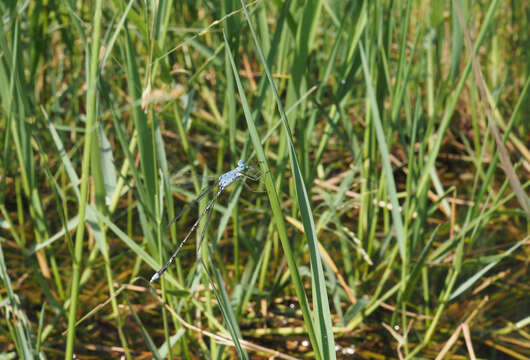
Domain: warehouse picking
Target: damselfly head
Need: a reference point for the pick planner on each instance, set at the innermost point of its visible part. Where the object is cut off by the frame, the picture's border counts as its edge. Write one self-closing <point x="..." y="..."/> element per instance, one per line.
<point x="241" y="165"/>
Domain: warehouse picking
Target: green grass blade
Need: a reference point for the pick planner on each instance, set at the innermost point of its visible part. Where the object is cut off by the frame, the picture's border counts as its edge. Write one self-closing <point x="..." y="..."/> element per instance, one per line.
<point x="21" y="329"/>
<point x="478" y="275"/>
<point x="452" y="102"/>
<point x="277" y="213"/>
<point x="227" y="311"/>
<point x="383" y="148"/>
<point x="89" y="129"/>
<point x="321" y="311"/>
<point x="145" y="333"/>
<point x="145" y="141"/>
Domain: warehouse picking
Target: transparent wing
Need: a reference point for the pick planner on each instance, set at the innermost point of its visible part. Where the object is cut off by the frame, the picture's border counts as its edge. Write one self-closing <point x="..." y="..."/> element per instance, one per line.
<point x="192" y="203"/>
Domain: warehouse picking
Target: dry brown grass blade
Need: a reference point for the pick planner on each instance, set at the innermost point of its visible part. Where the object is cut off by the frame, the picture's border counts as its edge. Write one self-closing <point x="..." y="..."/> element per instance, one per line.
<point x="340" y="278"/>
<point x="225" y="339"/>
<point x="464" y="326"/>
<point x="329" y="260"/>
<point x="219" y="338"/>
<point x="449" y="344"/>
<point x="469" y="343"/>
<point x="503" y="153"/>
<point x="506" y="350"/>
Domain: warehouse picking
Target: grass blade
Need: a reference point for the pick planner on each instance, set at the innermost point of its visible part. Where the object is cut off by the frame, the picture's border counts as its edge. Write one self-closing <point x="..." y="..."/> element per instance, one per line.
<point x="89" y="130"/>
<point x="321" y="312"/>
<point x="473" y="279"/>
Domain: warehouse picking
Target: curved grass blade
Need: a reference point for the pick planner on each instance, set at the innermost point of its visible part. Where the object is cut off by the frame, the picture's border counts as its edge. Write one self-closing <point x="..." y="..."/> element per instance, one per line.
<point x="325" y="340"/>
<point x="145" y="333"/>
<point x="226" y="309"/>
<point x="323" y="345"/>
<point x="469" y="282"/>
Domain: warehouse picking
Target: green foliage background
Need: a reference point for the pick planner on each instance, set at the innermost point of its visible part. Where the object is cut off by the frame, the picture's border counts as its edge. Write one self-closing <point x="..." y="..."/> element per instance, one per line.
<point x="391" y="216"/>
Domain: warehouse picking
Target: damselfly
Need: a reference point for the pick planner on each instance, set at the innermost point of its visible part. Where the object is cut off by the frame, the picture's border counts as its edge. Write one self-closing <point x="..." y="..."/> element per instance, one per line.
<point x="222" y="183"/>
